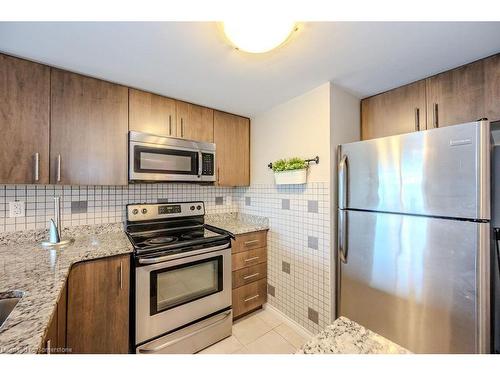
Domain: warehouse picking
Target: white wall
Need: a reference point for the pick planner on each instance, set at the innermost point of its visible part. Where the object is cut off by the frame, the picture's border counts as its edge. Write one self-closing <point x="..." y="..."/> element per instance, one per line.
<point x="299" y="127"/>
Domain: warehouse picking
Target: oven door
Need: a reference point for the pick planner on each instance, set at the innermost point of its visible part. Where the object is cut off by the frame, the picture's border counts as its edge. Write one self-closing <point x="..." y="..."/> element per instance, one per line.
<point x="151" y="162"/>
<point x="173" y="293"/>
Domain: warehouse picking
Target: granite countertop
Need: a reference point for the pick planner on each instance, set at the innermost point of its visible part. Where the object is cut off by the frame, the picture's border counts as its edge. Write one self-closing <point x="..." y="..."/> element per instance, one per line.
<point x="237" y="223"/>
<point x="345" y="336"/>
<point x="39" y="275"/>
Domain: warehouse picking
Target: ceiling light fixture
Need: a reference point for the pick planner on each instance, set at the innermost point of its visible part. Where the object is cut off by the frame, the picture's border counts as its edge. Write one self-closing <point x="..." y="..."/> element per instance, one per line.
<point x="258" y="37"/>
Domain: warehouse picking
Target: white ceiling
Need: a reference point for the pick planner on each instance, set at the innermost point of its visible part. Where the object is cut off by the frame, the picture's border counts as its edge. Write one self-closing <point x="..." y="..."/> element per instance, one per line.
<point x="191" y="61"/>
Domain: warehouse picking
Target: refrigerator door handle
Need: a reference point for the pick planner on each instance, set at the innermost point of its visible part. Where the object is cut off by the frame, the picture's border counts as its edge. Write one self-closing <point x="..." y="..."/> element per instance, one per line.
<point x="342" y="235"/>
<point x="343" y="182"/>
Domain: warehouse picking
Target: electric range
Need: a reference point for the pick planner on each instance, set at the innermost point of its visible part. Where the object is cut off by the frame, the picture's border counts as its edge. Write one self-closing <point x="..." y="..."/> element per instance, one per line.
<point x="182" y="278"/>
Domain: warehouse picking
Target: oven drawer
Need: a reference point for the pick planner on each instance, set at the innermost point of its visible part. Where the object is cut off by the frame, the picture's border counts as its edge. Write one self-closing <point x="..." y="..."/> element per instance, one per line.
<point x="249" y="275"/>
<point x="249" y="241"/>
<point x="249" y="258"/>
<point x="249" y="297"/>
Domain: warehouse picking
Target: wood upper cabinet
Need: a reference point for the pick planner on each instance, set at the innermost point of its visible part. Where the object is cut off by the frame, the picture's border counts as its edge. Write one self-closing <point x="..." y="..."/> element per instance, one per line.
<point x="88" y="132"/>
<point x="457" y="96"/>
<point x="150" y="113"/>
<point x="492" y="87"/>
<point x="232" y="140"/>
<point x="195" y="122"/>
<point x="98" y="306"/>
<point x="398" y="111"/>
<point x="24" y="118"/>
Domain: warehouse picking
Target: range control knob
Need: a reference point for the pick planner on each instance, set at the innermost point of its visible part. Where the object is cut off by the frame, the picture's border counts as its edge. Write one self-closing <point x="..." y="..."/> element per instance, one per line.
<point x="135" y="211"/>
<point x="198" y="207"/>
<point x="144" y="211"/>
<point x="191" y="208"/>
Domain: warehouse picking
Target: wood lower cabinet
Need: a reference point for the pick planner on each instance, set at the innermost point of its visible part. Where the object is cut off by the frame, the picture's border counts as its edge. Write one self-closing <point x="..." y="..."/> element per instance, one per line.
<point x="54" y="341"/>
<point x="402" y="110"/>
<point x="232" y="139"/>
<point x="24" y="118"/>
<point x="249" y="265"/>
<point x="88" y="131"/>
<point x="456" y="96"/>
<point x="150" y="113"/>
<point x="195" y="122"/>
<point x="98" y="306"/>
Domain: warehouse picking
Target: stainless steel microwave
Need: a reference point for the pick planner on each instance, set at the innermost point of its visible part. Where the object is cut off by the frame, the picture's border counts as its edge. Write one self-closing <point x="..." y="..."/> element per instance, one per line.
<point x="156" y="158"/>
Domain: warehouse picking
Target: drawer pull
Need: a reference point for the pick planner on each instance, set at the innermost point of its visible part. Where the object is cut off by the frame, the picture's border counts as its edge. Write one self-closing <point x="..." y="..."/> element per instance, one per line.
<point x="250" y="242"/>
<point x="250" y="259"/>
<point x="251" y="298"/>
<point x="250" y="276"/>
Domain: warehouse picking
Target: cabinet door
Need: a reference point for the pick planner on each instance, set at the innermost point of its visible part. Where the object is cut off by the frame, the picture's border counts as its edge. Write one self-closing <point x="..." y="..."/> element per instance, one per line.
<point x="195" y="122"/>
<point x="50" y="344"/>
<point x="150" y="113"/>
<point x="232" y="140"/>
<point x="24" y="116"/>
<point x="88" y="132"/>
<point x="98" y="306"/>
<point x="456" y="96"/>
<point x="492" y="91"/>
<point x="398" y="111"/>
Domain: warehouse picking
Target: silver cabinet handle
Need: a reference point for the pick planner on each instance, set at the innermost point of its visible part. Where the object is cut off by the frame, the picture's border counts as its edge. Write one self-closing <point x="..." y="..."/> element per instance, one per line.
<point x="247" y="243"/>
<point x="182" y="127"/>
<point x="250" y="259"/>
<point x="435" y="115"/>
<point x="250" y="276"/>
<point x="251" y="298"/>
<point x="48" y="346"/>
<point x="37" y="166"/>
<point x="169" y="124"/>
<point x="417" y="119"/>
<point x="59" y="168"/>
<point x="121" y="275"/>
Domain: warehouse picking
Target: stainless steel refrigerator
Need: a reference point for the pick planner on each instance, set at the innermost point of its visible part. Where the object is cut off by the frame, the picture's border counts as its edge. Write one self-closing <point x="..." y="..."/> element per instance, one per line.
<point x="414" y="238"/>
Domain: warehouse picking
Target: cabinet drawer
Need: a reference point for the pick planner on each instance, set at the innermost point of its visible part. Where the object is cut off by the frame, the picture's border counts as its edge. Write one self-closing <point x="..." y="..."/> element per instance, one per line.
<point x="249" y="258"/>
<point x="249" y="241"/>
<point x="249" y="297"/>
<point x="249" y="275"/>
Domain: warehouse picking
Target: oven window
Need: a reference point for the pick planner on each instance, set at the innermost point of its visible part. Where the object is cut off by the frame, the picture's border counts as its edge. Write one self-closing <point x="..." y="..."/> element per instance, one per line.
<point x="168" y="161"/>
<point x="178" y="285"/>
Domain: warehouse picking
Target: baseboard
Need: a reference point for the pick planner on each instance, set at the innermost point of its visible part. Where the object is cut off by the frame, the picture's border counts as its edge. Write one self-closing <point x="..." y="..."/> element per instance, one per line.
<point x="289" y="321"/>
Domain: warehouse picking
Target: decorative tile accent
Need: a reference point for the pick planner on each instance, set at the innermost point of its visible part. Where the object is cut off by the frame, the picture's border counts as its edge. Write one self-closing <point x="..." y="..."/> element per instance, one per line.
<point x="312" y="206"/>
<point x="248" y="201"/>
<point x="285" y="267"/>
<point x="271" y="290"/>
<point x="308" y="286"/>
<point x="285" y="204"/>
<point x="312" y="315"/>
<point x="105" y="204"/>
<point x="312" y="242"/>
<point x="79" y="207"/>
<point x="219" y="201"/>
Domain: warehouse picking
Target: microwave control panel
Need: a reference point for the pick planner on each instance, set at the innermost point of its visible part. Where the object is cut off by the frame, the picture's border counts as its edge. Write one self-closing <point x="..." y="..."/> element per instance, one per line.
<point x="207" y="164"/>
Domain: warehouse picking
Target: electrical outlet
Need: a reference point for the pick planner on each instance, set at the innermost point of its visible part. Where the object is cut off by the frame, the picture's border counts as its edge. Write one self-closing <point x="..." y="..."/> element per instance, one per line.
<point x="16" y="209"/>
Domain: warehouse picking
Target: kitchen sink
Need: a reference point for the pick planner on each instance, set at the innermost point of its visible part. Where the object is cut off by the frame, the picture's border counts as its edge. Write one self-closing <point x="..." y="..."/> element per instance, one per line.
<point x="8" y="302"/>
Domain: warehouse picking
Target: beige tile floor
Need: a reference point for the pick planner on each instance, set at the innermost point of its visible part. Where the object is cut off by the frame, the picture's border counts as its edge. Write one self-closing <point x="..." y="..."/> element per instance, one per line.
<point x="263" y="332"/>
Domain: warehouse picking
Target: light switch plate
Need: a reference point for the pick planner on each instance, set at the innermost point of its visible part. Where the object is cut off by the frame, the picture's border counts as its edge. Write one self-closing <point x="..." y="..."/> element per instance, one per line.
<point x="16" y="209"/>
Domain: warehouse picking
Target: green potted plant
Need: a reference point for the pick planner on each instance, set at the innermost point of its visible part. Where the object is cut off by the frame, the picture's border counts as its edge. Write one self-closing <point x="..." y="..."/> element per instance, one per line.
<point x="290" y="171"/>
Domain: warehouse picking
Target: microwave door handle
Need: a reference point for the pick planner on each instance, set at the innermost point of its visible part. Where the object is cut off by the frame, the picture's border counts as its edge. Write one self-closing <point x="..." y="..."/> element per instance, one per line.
<point x="200" y="157"/>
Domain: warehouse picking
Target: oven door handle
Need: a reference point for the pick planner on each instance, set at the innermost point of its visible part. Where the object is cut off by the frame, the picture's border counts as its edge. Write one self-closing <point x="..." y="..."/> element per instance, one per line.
<point x="169" y="343"/>
<point x="182" y="255"/>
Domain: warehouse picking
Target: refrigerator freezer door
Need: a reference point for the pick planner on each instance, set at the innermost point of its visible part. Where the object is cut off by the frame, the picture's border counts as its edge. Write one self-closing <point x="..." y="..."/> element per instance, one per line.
<point x="420" y="282"/>
<point x="440" y="172"/>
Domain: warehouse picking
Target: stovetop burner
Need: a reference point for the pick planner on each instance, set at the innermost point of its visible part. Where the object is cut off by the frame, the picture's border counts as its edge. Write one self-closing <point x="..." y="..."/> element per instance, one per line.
<point x="160" y="240"/>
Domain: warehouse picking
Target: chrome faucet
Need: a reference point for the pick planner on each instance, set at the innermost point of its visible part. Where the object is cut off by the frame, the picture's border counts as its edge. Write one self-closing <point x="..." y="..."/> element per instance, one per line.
<point x="55" y="228"/>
